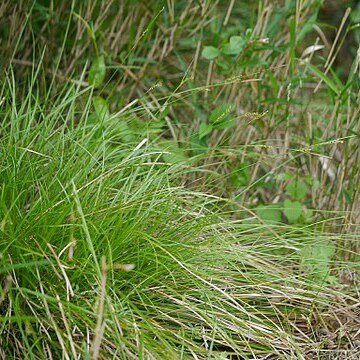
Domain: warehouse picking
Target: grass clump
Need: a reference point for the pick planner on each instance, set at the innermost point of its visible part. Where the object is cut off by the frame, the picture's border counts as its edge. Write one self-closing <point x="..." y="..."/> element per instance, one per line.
<point x="147" y="215"/>
<point x="105" y="254"/>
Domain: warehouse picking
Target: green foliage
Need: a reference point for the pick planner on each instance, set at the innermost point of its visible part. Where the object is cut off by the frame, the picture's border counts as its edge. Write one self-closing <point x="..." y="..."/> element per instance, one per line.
<point x="198" y="145"/>
<point x="221" y="117"/>
<point x="270" y="214"/>
<point x="172" y="153"/>
<point x="116" y="216"/>
<point x="235" y="46"/>
<point x="204" y="129"/>
<point x="292" y="210"/>
<point x="101" y="108"/>
<point x="316" y="261"/>
<point x="97" y="72"/>
<point x="240" y="176"/>
<point x="297" y="189"/>
<point x="127" y="206"/>
<point x="210" y="52"/>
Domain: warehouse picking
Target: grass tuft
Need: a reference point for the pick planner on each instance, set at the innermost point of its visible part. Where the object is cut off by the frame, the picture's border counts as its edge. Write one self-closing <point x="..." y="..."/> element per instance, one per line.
<point x="177" y="183"/>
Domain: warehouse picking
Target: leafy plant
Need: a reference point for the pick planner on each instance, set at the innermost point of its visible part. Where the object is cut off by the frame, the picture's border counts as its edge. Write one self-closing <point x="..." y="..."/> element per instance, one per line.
<point x="293" y="210"/>
<point x="101" y="108"/>
<point x="204" y="130"/>
<point x="172" y="152"/>
<point x="210" y="53"/>
<point x="97" y="72"/>
<point x="235" y="46"/>
<point x="240" y="176"/>
<point x="221" y="117"/>
<point x="316" y="261"/>
<point x="270" y="214"/>
<point x="297" y="189"/>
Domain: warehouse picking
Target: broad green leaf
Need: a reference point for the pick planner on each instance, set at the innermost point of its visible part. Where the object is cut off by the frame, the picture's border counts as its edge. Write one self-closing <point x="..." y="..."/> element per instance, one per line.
<point x="241" y="175"/>
<point x="308" y="215"/>
<point x="220" y="117"/>
<point x="204" y="129"/>
<point x="172" y="152"/>
<point x="237" y="42"/>
<point x="235" y="46"/>
<point x="283" y="176"/>
<point x="292" y="210"/>
<point x="97" y="72"/>
<point x="188" y="42"/>
<point x="297" y="189"/>
<point x="226" y="124"/>
<point x="198" y="146"/>
<point x="101" y="108"/>
<point x="315" y="260"/>
<point x="219" y="113"/>
<point x="269" y="213"/>
<point x="124" y="132"/>
<point x="210" y="52"/>
<point x="216" y="25"/>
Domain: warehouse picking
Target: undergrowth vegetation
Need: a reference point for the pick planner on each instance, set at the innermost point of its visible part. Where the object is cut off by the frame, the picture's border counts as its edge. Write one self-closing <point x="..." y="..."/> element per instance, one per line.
<point x="179" y="180"/>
